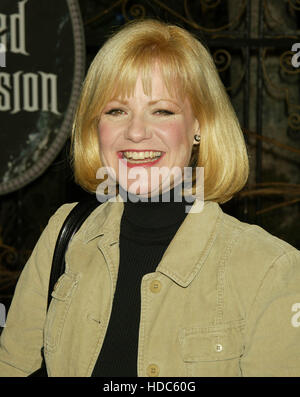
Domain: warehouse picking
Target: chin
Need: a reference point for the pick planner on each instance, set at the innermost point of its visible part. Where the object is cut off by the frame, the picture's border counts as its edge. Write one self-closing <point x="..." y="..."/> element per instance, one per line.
<point x="141" y="189"/>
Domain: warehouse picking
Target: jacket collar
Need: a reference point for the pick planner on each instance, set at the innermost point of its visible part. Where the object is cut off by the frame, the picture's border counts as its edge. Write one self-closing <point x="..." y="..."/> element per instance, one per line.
<point x="189" y="248"/>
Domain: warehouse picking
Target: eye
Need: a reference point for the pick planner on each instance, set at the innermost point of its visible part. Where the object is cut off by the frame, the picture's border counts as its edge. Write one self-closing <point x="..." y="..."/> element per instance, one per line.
<point x="115" y="112"/>
<point x="164" y="112"/>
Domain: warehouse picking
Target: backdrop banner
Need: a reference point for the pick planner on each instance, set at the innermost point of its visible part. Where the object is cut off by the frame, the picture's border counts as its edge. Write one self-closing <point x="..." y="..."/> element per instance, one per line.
<point x="42" y="65"/>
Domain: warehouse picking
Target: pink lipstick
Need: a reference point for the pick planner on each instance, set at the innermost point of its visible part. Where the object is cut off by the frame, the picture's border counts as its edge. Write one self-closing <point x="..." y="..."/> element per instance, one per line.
<point x="146" y="164"/>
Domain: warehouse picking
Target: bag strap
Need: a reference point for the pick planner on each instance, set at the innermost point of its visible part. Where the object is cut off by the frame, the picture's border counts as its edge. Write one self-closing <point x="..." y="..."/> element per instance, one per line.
<point x="70" y="226"/>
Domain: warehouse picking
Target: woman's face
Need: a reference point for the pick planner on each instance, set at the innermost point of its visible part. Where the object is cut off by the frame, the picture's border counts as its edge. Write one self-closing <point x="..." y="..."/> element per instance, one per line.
<point x="141" y="135"/>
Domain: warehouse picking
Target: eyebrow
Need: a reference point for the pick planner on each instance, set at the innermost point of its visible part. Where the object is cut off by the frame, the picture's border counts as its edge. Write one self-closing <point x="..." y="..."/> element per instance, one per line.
<point x="149" y="103"/>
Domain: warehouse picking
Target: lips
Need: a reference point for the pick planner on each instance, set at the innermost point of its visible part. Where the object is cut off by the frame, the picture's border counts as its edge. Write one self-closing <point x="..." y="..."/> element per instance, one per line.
<point x="141" y="164"/>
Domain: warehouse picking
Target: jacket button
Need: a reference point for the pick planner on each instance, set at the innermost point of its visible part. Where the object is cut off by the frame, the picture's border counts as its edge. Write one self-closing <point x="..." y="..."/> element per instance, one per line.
<point x="155" y="286"/>
<point x="152" y="370"/>
<point x="219" y="347"/>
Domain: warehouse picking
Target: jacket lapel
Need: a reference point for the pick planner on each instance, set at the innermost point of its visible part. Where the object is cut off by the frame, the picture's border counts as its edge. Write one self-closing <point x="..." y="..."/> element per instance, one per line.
<point x="186" y="253"/>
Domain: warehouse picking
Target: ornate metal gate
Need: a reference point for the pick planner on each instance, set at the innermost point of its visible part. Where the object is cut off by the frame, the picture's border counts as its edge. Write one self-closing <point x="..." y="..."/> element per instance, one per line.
<point x="251" y="42"/>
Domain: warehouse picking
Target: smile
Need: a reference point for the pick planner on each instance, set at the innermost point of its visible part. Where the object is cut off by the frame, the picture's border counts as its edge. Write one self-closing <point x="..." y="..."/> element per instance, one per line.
<point x="140" y="158"/>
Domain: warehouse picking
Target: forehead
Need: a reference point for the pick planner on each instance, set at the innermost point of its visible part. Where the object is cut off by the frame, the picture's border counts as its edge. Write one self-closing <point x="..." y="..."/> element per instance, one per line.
<point x="153" y="82"/>
<point x="158" y="87"/>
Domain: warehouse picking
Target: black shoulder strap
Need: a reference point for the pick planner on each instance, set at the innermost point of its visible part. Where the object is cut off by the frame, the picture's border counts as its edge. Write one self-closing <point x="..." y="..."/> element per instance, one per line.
<point x="70" y="226"/>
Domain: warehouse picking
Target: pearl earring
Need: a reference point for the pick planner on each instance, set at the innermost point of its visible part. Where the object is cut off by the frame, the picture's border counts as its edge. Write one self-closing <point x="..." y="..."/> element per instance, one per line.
<point x="197" y="138"/>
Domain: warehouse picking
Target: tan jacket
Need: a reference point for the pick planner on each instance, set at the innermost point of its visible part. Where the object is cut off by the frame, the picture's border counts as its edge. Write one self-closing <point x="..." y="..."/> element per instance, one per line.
<point x="224" y="301"/>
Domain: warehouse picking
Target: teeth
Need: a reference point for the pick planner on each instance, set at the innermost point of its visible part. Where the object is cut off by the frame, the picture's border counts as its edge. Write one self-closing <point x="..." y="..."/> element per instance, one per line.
<point x="141" y="155"/>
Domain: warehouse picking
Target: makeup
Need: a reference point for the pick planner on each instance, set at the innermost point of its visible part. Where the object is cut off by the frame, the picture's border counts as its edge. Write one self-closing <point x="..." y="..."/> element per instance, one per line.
<point x="139" y="163"/>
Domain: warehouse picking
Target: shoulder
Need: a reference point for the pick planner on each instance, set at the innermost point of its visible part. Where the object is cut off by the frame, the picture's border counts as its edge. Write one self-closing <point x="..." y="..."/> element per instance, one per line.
<point x="253" y="242"/>
<point x="62" y="212"/>
<point x="55" y="223"/>
<point x="258" y="261"/>
<point x="96" y="211"/>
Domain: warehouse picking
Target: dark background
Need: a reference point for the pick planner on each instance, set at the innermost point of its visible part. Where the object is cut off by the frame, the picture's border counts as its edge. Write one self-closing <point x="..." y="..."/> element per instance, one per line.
<point x="250" y="42"/>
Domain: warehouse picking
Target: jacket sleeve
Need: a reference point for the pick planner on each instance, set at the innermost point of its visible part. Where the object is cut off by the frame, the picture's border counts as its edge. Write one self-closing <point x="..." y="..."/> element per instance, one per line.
<point x="272" y="340"/>
<point x="22" y="338"/>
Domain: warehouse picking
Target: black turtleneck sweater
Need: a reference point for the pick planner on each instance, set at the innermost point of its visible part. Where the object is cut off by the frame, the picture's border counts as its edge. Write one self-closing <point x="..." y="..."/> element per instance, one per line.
<point x="146" y="230"/>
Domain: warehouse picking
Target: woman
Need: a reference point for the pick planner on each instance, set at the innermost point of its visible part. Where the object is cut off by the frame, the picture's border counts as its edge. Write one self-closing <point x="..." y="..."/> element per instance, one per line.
<point x="155" y="287"/>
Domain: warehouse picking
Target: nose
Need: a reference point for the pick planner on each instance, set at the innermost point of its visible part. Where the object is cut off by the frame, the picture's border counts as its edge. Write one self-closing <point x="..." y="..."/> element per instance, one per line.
<point x="137" y="129"/>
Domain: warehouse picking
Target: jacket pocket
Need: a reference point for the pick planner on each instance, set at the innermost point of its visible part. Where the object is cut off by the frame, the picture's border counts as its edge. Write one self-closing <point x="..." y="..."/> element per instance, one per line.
<point x="213" y="350"/>
<point x="58" y="309"/>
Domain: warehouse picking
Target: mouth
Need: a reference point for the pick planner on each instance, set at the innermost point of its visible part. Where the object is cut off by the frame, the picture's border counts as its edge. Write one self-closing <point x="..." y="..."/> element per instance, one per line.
<point x="145" y="158"/>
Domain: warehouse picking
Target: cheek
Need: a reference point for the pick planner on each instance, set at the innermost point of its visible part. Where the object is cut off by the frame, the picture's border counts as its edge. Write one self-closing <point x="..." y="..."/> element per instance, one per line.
<point x="105" y="143"/>
<point x="177" y="136"/>
<point x="105" y="134"/>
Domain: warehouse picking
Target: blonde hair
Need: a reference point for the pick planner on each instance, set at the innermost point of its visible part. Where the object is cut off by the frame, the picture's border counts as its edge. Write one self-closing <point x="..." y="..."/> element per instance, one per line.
<point x="183" y="59"/>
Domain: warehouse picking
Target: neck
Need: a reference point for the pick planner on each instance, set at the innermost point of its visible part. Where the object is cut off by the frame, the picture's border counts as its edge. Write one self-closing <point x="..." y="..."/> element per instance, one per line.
<point x="154" y="219"/>
<point x="170" y="196"/>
